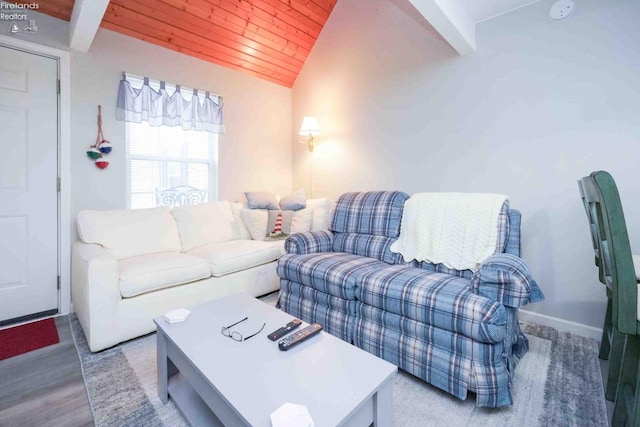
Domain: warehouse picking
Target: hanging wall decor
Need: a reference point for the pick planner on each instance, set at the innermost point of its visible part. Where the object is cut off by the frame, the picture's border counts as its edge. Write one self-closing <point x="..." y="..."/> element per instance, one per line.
<point x="102" y="147"/>
<point x="93" y="153"/>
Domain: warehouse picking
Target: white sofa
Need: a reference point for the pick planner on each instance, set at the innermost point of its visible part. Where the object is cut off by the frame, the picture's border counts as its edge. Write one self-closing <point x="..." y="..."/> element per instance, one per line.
<point x="131" y="266"/>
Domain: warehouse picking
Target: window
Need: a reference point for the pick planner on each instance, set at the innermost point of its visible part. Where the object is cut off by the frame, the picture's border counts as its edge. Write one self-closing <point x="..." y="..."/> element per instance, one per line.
<point x="169" y="164"/>
<point x="164" y="157"/>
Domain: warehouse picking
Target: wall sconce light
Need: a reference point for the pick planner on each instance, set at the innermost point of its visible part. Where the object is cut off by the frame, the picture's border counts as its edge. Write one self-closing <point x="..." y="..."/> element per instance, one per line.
<point x="308" y="130"/>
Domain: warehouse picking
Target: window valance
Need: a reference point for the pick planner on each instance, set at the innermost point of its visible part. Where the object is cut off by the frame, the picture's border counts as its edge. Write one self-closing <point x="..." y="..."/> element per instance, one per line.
<point x="143" y="99"/>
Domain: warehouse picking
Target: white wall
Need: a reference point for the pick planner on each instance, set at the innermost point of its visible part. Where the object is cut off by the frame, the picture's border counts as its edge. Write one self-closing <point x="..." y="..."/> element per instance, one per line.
<point x="254" y="153"/>
<point x="539" y="105"/>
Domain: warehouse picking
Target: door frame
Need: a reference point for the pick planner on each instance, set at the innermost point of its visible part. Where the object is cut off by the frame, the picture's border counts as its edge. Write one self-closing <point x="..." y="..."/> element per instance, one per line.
<point x="64" y="166"/>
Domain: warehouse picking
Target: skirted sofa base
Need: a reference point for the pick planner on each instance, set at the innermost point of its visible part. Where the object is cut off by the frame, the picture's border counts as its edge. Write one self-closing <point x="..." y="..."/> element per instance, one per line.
<point x="457" y="330"/>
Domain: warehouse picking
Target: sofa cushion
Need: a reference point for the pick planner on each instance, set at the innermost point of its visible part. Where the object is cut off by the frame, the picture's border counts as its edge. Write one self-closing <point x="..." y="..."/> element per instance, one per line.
<point x="373" y="212"/>
<point x="130" y="232"/>
<point x="228" y="257"/>
<point x="332" y="273"/>
<point x="437" y="299"/>
<point x="204" y="224"/>
<point x="148" y="273"/>
<point x="367" y="245"/>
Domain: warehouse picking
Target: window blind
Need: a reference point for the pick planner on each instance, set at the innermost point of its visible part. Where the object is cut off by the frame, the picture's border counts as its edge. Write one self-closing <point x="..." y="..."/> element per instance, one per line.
<point x="161" y="158"/>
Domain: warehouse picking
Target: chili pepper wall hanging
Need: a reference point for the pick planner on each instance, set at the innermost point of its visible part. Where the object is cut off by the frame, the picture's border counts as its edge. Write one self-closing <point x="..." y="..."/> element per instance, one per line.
<point x="102" y="147"/>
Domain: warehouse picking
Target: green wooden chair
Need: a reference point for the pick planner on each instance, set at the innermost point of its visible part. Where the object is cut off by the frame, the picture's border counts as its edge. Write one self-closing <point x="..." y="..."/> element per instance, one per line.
<point x="611" y="339"/>
<point x="618" y="273"/>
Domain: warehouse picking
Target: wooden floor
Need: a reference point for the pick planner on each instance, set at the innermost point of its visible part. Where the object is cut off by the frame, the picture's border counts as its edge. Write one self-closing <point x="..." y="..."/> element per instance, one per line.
<point x="45" y="387"/>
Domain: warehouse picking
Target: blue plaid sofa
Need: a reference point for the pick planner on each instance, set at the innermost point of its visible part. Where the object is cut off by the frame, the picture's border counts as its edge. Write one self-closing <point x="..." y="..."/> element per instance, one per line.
<point x="457" y="330"/>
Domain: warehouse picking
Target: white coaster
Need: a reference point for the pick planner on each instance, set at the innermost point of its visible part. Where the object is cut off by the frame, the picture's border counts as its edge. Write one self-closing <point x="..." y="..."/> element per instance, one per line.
<point x="291" y="415"/>
<point x="177" y="315"/>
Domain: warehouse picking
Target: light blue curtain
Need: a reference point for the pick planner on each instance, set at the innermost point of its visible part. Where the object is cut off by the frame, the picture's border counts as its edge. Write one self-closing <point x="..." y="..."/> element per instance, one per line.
<point x="138" y="101"/>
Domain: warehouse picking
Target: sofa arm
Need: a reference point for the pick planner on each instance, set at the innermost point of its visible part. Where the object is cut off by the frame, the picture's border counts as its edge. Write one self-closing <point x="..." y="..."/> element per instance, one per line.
<point x="506" y="278"/>
<point x="95" y="289"/>
<point x="309" y="242"/>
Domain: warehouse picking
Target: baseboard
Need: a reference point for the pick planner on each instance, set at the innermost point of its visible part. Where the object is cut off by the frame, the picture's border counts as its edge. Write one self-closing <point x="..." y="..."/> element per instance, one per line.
<point x="561" y="324"/>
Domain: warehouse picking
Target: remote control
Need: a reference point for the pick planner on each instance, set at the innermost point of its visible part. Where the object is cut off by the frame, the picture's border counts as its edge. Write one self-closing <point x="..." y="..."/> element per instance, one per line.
<point x="296" y="338"/>
<point x="279" y="333"/>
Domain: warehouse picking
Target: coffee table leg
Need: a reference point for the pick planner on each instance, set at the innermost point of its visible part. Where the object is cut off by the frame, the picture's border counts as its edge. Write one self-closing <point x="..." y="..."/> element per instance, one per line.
<point x="166" y="368"/>
<point x="383" y="405"/>
<point x="163" y="377"/>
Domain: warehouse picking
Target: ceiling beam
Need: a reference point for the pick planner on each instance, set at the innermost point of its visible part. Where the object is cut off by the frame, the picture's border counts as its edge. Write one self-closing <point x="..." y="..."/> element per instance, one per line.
<point x="85" y="20"/>
<point x="450" y="20"/>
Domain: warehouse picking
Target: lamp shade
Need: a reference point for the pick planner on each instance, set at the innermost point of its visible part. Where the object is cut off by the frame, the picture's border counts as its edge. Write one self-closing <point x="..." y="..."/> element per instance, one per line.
<point x="309" y="127"/>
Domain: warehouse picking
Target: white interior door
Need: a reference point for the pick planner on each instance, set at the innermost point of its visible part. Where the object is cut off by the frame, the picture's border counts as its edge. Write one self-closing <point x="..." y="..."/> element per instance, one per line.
<point x="28" y="185"/>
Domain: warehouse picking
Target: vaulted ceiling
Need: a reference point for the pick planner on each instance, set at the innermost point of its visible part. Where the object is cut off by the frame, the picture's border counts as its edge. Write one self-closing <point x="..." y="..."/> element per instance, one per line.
<point x="269" y="39"/>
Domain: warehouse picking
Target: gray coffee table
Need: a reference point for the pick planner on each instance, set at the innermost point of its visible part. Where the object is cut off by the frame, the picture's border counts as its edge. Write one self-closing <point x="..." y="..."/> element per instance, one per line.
<point x="215" y="380"/>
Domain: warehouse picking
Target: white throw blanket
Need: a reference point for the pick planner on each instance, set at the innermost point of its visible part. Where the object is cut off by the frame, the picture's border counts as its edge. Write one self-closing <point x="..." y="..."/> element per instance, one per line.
<point x="459" y="230"/>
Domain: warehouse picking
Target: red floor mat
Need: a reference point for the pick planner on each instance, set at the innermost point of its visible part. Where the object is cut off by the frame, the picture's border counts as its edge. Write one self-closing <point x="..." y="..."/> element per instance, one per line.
<point x="27" y="337"/>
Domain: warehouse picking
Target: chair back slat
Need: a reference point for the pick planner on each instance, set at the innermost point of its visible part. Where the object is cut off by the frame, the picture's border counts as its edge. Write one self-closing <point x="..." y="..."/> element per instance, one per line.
<point x="593" y="228"/>
<point x="612" y="248"/>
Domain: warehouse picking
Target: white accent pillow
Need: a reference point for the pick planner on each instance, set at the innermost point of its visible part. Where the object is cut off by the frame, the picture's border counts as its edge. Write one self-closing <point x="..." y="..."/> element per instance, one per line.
<point x="302" y="221"/>
<point x="242" y="231"/>
<point x="256" y="222"/>
<point x="205" y="224"/>
<point x="321" y="213"/>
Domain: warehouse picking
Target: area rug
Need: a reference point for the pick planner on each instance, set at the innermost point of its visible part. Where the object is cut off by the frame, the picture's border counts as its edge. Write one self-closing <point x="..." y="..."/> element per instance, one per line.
<point x="28" y="337"/>
<point x="558" y="383"/>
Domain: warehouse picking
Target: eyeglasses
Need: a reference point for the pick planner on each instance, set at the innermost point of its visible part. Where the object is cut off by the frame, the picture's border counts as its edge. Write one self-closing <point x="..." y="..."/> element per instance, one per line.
<point x="237" y="336"/>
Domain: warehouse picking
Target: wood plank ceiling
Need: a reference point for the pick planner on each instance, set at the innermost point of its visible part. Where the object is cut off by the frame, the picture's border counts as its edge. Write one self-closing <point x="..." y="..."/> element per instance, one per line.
<point x="269" y="39"/>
